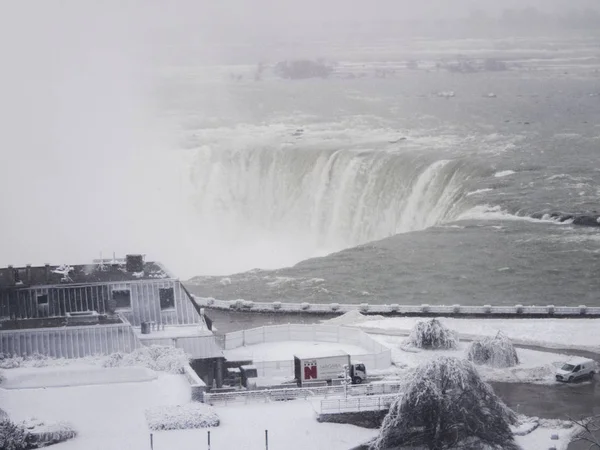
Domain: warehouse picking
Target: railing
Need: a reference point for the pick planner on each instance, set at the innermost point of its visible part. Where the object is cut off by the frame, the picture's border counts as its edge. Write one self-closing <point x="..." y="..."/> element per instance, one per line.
<point x="357" y="404"/>
<point x="70" y="342"/>
<point x="324" y="308"/>
<point x="268" y="395"/>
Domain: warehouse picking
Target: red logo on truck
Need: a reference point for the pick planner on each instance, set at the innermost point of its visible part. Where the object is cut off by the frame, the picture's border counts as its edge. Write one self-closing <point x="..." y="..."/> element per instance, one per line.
<point x="310" y="372"/>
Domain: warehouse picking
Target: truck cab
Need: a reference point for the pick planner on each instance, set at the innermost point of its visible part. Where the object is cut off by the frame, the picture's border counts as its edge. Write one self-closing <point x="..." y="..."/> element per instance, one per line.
<point x="358" y="373"/>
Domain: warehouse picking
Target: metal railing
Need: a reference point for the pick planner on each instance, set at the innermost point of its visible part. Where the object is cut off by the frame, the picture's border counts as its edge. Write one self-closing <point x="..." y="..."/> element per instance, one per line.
<point x="357" y="404"/>
<point x="322" y="308"/>
<point x="268" y="395"/>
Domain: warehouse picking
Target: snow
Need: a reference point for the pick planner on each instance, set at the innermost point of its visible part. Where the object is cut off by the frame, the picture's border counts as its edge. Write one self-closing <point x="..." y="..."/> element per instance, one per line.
<point x="113" y="416"/>
<point x="174" y="331"/>
<point x="504" y="173"/>
<point x="284" y="351"/>
<point x="536" y="367"/>
<point x="554" y="333"/>
<point x="105" y="416"/>
<point x="541" y="437"/>
<point x="181" y="417"/>
<point x="292" y="426"/>
<point x="73" y="375"/>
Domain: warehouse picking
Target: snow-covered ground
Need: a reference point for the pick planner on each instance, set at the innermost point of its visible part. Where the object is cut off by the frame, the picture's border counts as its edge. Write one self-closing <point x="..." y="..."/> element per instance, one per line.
<point x="284" y="351"/>
<point x="113" y="416"/>
<point x="535" y="367"/>
<point x="76" y="374"/>
<point x="554" y="333"/>
<point x="105" y="416"/>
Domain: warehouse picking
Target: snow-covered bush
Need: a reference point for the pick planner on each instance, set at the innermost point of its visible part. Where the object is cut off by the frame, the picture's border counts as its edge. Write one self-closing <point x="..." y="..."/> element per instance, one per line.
<point x="3" y="416"/>
<point x="12" y="436"/>
<point x="447" y="405"/>
<point x="13" y="361"/>
<point x="2" y="378"/>
<point x="432" y="334"/>
<point x="32" y="433"/>
<point x="42" y="434"/>
<point x="10" y="362"/>
<point x="495" y="351"/>
<point x="191" y="415"/>
<point x="155" y="357"/>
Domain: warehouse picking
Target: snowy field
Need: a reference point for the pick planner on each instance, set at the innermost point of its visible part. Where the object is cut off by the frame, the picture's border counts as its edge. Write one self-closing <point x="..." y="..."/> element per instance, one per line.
<point x="112" y="416"/>
<point x="535" y="367"/>
<point x="554" y="333"/>
<point x="109" y="416"/>
<point x="75" y="374"/>
<point x="284" y="351"/>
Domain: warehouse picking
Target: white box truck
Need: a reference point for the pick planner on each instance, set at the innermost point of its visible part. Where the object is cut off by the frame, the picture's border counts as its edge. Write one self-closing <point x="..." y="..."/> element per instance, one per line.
<point x="308" y="367"/>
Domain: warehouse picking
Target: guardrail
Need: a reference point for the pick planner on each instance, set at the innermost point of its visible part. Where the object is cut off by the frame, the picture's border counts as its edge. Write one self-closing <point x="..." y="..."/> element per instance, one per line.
<point x="424" y="309"/>
<point x="357" y="404"/>
<point x="268" y="395"/>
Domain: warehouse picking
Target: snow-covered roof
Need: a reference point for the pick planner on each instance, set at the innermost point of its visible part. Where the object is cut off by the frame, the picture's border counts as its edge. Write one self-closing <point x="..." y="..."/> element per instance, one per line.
<point x="578" y="360"/>
<point x="311" y="354"/>
<point x="23" y="277"/>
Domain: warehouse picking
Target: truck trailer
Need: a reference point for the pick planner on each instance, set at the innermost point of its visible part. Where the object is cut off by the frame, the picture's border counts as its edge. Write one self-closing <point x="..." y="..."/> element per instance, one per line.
<point x="327" y="368"/>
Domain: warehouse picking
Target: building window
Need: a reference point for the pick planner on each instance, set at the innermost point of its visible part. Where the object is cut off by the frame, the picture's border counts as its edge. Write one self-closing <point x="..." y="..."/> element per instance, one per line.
<point x="122" y="299"/>
<point x="42" y="299"/>
<point x="167" y="298"/>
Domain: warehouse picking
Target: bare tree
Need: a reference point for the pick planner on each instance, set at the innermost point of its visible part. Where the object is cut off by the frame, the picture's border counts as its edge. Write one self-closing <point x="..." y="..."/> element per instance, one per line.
<point x="447" y="405"/>
<point x="589" y="431"/>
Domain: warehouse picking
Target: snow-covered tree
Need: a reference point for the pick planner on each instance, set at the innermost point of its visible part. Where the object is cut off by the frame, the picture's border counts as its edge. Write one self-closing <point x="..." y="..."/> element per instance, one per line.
<point x="432" y="334"/>
<point x="495" y="351"/>
<point x="447" y="406"/>
<point x="13" y="437"/>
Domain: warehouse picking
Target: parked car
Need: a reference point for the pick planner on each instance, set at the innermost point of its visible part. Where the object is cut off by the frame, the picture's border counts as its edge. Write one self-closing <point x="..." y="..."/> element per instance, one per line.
<point x="576" y="369"/>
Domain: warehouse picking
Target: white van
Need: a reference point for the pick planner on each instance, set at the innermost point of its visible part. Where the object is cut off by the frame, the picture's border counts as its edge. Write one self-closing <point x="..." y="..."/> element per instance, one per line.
<point x="576" y="369"/>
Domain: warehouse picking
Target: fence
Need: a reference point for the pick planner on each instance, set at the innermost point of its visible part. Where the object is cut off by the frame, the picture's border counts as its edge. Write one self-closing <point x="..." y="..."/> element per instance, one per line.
<point x="70" y="342"/>
<point x="377" y="356"/>
<point x="424" y="309"/>
<point x="357" y="404"/>
<point x="269" y="395"/>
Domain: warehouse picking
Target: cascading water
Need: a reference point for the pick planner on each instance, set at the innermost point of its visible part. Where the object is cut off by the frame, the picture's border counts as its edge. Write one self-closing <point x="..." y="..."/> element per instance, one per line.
<point x="309" y="202"/>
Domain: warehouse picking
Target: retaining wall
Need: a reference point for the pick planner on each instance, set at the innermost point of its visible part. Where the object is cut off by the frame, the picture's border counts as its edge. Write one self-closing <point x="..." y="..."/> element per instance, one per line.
<point x="377" y="356"/>
<point x="397" y="309"/>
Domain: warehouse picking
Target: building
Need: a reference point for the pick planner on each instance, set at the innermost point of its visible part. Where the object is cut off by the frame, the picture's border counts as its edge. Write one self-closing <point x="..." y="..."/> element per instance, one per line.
<point x="107" y="306"/>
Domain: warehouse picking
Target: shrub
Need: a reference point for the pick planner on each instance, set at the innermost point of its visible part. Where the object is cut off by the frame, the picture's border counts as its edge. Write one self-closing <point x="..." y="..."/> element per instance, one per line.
<point x="496" y="352"/>
<point x="447" y="405"/>
<point x="432" y="334"/>
<point x="13" y="437"/>
<point x="10" y="362"/>
<point x="41" y="434"/>
<point x="155" y="357"/>
<point x="191" y="415"/>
